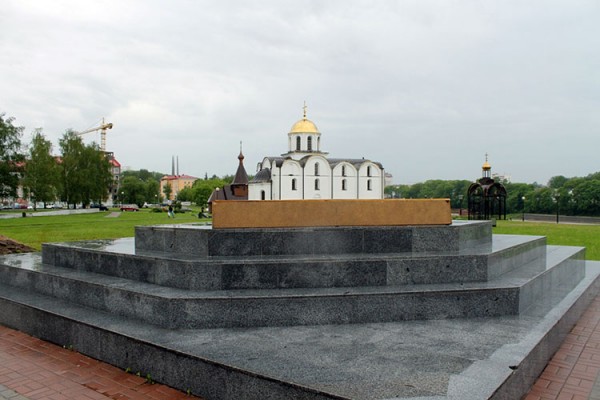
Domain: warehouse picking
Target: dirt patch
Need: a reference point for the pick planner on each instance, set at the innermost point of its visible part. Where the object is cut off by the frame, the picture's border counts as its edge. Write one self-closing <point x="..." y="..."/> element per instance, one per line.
<point x="9" y="246"/>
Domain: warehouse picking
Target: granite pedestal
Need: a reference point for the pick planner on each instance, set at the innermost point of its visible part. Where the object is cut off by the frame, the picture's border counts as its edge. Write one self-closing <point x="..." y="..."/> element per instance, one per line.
<point x="429" y="312"/>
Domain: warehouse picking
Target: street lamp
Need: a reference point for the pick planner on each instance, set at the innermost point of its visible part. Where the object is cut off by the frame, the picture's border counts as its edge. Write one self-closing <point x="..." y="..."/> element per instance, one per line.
<point x="556" y="199"/>
<point x="523" y="198"/>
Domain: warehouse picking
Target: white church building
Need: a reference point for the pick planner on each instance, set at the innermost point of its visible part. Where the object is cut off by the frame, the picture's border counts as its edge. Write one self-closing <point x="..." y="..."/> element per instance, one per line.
<point x="305" y="172"/>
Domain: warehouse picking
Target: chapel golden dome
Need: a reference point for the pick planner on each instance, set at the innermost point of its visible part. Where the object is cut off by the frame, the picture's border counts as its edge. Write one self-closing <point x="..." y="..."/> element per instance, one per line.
<point x="305" y="125"/>
<point x="486" y="165"/>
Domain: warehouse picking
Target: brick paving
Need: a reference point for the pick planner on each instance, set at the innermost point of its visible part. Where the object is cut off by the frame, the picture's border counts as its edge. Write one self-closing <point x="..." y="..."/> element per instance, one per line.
<point x="31" y="369"/>
<point x="572" y="374"/>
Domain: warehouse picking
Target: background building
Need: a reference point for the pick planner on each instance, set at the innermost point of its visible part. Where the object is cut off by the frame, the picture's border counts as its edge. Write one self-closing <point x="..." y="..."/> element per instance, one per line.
<point x="176" y="181"/>
<point x="305" y="172"/>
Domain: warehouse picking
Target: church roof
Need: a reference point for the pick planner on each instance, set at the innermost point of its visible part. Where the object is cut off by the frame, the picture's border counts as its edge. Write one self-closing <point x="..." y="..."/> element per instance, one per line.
<point x="241" y="177"/>
<point x="226" y="193"/>
<point x="278" y="161"/>
<point x="264" y="175"/>
<point x="353" y="161"/>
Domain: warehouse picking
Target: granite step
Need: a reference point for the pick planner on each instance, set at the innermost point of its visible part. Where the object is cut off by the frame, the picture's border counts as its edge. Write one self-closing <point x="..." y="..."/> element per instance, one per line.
<point x="508" y="294"/>
<point x="471" y="358"/>
<point x="118" y="258"/>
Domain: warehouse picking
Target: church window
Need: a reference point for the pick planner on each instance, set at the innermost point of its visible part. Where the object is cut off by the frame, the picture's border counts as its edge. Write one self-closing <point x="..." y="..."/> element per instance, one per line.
<point x="298" y="141"/>
<point x="369" y="170"/>
<point x="369" y="187"/>
<point x="262" y="195"/>
<point x="294" y="184"/>
<point x="344" y="187"/>
<point x="309" y="143"/>
<point x="317" y="185"/>
<point x="343" y="170"/>
<point x="316" y="169"/>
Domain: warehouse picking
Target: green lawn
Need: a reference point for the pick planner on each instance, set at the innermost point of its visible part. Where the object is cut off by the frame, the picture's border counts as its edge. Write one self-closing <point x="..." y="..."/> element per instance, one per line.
<point x="33" y="231"/>
<point x="563" y="234"/>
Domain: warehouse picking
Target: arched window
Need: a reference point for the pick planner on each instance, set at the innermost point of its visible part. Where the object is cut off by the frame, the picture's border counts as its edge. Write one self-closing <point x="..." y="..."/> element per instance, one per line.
<point x="343" y="170"/>
<point x="316" y="169"/>
<point x="298" y="141"/>
<point x="317" y="186"/>
<point x="309" y="143"/>
<point x="344" y="184"/>
<point x="369" y="170"/>
<point x="294" y="184"/>
<point x="262" y="195"/>
<point x="369" y="187"/>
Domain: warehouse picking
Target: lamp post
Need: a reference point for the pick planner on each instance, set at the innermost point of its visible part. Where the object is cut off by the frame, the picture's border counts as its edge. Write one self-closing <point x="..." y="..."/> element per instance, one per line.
<point x="460" y="198"/>
<point x="523" y="198"/>
<point x="556" y="199"/>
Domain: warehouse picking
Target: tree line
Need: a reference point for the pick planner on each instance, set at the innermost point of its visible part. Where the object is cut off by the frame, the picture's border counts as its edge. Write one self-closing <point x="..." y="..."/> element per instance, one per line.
<point x="579" y="196"/>
<point x="81" y="174"/>
<point x="139" y="187"/>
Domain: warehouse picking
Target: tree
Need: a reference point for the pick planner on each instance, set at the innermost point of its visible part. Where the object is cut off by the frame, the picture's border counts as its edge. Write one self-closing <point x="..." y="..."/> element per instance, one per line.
<point x="97" y="170"/>
<point x="42" y="174"/>
<point x="85" y="171"/>
<point x="10" y="156"/>
<point x="153" y="191"/>
<point x="185" y="194"/>
<point x="72" y="176"/>
<point x="203" y="188"/>
<point x="557" y="182"/>
<point x="134" y="190"/>
<point x="167" y="190"/>
<point x="144" y="175"/>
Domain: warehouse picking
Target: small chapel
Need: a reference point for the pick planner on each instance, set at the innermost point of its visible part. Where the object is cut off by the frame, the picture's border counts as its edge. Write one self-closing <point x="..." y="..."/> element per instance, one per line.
<point x="486" y="197"/>
<point x="305" y="172"/>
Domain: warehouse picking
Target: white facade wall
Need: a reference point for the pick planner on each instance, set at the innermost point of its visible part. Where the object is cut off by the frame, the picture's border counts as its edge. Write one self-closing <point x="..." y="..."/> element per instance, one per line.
<point x="344" y="171"/>
<point x="254" y="191"/>
<point x="357" y="184"/>
<point x="292" y="180"/>
<point x="370" y="181"/>
<point x="322" y="174"/>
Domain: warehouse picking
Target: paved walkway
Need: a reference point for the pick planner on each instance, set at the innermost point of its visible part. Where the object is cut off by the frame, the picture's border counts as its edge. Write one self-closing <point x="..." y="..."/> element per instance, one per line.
<point x="572" y="374"/>
<point x="33" y="369"/>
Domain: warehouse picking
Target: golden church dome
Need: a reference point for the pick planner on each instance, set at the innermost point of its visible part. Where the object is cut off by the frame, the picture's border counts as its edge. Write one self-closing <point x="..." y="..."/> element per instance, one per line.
<point x="486" y="166"/>
<point x="304" y="126"/>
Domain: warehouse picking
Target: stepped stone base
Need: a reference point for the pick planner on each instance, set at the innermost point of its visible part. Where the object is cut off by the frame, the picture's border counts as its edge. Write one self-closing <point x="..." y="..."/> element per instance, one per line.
<point x="428" y="312"/>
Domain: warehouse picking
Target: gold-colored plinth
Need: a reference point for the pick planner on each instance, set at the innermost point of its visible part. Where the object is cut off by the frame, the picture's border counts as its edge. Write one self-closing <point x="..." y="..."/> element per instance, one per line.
<point x="313" y="213"/>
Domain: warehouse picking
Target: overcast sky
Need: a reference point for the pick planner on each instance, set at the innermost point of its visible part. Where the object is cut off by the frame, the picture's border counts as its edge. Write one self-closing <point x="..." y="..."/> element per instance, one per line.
<point x="425" y="87"/>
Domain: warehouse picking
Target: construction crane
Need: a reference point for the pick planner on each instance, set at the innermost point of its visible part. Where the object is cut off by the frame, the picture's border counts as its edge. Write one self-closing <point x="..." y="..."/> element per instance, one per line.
<point x="102" y="128"/>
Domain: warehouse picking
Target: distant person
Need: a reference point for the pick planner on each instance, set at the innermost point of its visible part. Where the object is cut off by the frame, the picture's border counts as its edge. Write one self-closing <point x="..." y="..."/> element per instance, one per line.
<point x="170" y="212"/>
